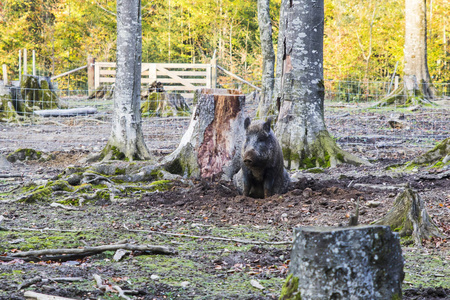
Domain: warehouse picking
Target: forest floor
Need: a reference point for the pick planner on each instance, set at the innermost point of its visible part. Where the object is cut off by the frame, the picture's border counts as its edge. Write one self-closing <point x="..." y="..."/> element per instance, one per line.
<point x="226" y="242"/>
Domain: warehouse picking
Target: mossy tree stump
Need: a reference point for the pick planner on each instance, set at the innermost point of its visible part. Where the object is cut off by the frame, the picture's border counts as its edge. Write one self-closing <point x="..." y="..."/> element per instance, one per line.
<point x="162" y="104"/>
<point x="363" y="262"/>
<point x="212" y="143"/>
<point x="409" y="217"/>
<point x="35" y="93"/>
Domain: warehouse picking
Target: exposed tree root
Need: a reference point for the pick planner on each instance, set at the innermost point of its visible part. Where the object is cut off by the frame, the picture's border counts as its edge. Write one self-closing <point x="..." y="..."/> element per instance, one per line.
<point x="403" y="98"/>
<point x="438" y="156"/>
<point x="322" y="153"/>
<point x="409" y="217"/>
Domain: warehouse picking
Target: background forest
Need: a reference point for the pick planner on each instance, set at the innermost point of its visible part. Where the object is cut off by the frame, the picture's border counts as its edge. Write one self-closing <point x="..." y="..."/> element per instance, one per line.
<point x="363" y="38"/>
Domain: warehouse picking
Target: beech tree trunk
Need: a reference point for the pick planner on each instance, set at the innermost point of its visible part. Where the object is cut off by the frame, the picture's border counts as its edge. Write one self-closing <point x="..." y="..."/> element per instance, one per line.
<point x="127" y="139"/>
<point x="300" y="127"/>
<point x="211" y="146"/>
<point x="416" y="75"/>
<point x="359" y="263"/>
<point x="268" y="54"/>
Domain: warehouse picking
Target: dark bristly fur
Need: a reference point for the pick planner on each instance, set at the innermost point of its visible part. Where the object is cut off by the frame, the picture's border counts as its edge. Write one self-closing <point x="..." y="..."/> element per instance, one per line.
<point x="262" y="162"/>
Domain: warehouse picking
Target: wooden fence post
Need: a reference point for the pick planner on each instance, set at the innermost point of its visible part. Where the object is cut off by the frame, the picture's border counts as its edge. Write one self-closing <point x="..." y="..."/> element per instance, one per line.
<point x="91" y="73"/>
<point x="25" y="59"/>
<point x="34" y="62"/>
<point x="20" y="66"/>
<point x="213" y="73"/>
<point x="5" y="76"/>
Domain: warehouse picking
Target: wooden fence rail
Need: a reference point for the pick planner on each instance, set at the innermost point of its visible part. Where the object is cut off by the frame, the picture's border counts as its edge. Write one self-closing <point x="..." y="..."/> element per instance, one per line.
<point x="182" y="78"/>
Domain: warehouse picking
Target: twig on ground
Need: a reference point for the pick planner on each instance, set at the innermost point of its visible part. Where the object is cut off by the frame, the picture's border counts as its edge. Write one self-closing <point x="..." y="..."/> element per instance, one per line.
<point x="210" y="237"/>
<point x="66" y="207"/>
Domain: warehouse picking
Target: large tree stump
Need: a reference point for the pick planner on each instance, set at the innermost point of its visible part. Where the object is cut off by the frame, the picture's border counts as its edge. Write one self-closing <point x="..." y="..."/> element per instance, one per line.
<point x="409" y="217"/>
<point x="212" y="144"/>
<point x="363" y="262"/>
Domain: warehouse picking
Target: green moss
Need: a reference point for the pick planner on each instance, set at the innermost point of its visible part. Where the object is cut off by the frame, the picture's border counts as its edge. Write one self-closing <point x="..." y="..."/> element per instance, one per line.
<point x="41" y="194"/>
<point x="119" y="171"/>
<point x="315" y="170"/>
<point x="116" y="153"/>
<point x="175" y="167"/>
<point x="290" y="291"/>
<point x="24" y="154"/>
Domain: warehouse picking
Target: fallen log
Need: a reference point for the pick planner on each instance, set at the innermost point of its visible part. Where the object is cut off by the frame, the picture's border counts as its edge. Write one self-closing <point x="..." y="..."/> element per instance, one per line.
<point x="73" y="112"/>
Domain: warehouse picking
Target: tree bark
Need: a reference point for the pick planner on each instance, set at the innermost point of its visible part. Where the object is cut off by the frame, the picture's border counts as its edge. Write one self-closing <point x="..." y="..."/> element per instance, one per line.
<point x="363" y="262"/>
<point x="211" y="146"/>
<point x="268" y="54"/>
<point x="127" y="139"/>
<point x="415" y="50"/>
<point x="300" y="127"/>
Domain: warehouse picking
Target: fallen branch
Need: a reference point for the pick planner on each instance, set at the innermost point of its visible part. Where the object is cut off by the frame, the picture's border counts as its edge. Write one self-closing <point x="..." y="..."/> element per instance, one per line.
<point x="10" y="175"/>
<point x="94" y="250"/>
<point x="38" y="296"/>
<point x="379" y="186"/>
<point x="66" y="112"/>
<point x="211" y="237"/>
<point x="38" y="279"/>
<point x="108" y="288"/>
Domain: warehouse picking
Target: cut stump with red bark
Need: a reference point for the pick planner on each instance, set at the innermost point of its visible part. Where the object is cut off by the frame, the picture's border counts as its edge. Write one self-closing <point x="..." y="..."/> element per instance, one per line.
<point x="211" y="146"/>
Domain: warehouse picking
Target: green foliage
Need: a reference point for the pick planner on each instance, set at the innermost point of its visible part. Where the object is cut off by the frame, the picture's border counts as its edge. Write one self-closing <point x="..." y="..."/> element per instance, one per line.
<point x="363" y="40"/>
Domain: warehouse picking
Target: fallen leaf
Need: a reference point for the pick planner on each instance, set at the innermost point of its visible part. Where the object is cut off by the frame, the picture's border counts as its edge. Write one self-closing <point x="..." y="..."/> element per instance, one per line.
<point x="256" y="284"/>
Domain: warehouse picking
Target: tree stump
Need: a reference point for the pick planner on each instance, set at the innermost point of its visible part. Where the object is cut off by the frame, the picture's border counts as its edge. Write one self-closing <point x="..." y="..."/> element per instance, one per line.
<point x="211" y="146"/>
<point x="409" y="217"/>
<point x="162" y="104"/>
<point x="363" y="262"/>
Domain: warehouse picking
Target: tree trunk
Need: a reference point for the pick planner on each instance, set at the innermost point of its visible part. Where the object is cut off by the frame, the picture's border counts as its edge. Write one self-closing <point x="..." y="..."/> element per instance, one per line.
<point x="268" y="54"/>
<point x="300" y="126"/>
<point x="409" y="217"/>
<point x="127" y="139"/>
<point x="415" y="50"/>
<point x="362" y="262"/>
<point x="211" y="146"/>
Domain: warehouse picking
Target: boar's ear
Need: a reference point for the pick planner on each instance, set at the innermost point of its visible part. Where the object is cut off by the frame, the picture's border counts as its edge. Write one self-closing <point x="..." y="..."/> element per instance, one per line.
<point x="266" y="125"/>
<point x="246" y="122"/>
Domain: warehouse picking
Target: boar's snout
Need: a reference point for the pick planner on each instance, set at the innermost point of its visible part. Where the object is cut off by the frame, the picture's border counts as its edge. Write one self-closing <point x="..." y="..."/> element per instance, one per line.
<point x="250" y="156"/>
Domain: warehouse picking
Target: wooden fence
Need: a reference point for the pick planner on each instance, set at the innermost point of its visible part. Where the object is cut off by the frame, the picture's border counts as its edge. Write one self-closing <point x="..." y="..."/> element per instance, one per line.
<point x="181" y="78"/>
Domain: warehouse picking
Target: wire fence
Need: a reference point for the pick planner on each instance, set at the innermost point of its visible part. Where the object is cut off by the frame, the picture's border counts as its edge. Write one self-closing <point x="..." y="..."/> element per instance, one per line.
<point x="348" y="114"/>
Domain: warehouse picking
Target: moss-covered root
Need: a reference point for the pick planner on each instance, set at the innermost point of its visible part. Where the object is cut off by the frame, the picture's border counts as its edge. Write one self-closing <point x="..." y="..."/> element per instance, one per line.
<point x="43" y="193"/>
<point x="322" y="153"/>
<point x="113" y="152"/>
<point x="438" y="156"/>
<point x="400" y="97"/>
<point x="290" y="291"/>
<point x="409" y="217"/>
